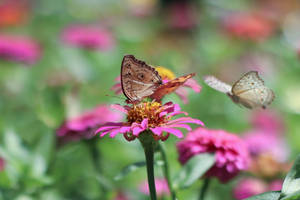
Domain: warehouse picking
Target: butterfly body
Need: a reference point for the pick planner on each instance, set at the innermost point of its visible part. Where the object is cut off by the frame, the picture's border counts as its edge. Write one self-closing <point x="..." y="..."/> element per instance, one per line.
<point x="139" y="80"/>
<point x="248" y="91"/>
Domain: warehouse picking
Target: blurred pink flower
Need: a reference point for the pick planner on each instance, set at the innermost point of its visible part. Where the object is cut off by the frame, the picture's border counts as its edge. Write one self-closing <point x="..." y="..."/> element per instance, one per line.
<point x="1" y="164"/>
<point x="267" y="120"/>
<point x="275" y="185"/>
<point x="149" y="116"/>
<point x="248" y="26"/>
<point x="260" y="142"/>
<point x="182" y="15"/>
<point x="231" y="151"/>
<point x="19" y="48"/>
<point x="90" y="37"/>
<point x="161" y="186"/>
<point x="248" y="187"/>
<point x="181" y="91"/>
<point x="83" y="126"/>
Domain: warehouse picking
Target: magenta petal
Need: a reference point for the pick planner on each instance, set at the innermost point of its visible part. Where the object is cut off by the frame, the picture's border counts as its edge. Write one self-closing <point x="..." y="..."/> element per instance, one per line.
<point x="156" y="130"/>
<point x="125" y="129"/>
<point x="177" y="113"/>
<point x="144" y="123"/>
<point x="187" y="127"/>
<point x="137" y="130"/>
<point x="104" y="133"/>
<point x="192" y="83"/>
<point x="173" y="131"/>
<point x="114" y="132"/>
<point x="186" y="120"/>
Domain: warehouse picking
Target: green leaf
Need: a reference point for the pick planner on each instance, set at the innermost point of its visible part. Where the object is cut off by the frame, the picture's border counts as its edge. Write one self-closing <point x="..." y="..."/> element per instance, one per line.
<point x="291" y="182"/>
<point x="193" y="170"/>
<point x="274" y="195"/>
<point x="293" y="196"/>
<point x="129" y="168"/>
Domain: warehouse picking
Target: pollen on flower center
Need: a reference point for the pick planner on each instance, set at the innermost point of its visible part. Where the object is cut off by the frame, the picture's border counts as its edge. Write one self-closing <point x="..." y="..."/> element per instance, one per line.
<point x="165" y="73"/>
<point x="149" y="110"/>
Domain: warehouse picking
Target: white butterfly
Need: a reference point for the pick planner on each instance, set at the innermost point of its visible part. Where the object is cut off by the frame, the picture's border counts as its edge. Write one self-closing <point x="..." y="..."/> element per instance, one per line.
<point x="249" y="90"/>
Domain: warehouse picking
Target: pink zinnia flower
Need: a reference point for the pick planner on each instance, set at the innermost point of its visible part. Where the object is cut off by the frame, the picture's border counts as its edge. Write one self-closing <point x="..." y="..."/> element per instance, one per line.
<point x="83" y="126"/>
<point x="151" y="116"/>
<point x="161" y="186"/>
<point x="248" y="26"/>
<point x="260" y="142"/>
<point x="19" y="48"/>
<point x="267" y="120"/>
<point x="90" y="37"/>
<point x="166" y="76"/>
<point x="231" y="152"/>
<point x="1" y="164"/>
<point x="249" y="187"/>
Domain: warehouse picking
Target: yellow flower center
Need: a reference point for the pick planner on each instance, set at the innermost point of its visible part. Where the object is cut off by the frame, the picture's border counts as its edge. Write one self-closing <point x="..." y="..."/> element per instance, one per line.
<point x="165" y="73"/>
<point x="149" y="110"/>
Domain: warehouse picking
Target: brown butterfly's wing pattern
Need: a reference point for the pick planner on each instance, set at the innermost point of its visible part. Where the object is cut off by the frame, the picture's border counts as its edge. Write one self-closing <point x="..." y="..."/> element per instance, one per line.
<point x="170" y="86"/>
<point x="216" y="84"/>
<point x="138" y="80"/>
<point x="251" y="92"/>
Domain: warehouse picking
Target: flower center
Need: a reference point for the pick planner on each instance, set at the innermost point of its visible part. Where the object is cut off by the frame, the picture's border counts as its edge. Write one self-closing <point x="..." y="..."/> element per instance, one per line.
<point x="149" y="110"/>
<point x="165" y="73"/>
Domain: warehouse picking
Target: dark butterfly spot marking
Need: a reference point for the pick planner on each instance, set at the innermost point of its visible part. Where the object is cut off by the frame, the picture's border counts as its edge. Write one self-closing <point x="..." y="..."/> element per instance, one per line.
<point x="141" y="76"/>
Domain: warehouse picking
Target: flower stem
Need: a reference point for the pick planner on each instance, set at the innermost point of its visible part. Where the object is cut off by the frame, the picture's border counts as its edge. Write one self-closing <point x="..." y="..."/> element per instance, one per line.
<point x="166" y="171"/>
<point x="149" y="143"/>
<point x="204" y="189"/>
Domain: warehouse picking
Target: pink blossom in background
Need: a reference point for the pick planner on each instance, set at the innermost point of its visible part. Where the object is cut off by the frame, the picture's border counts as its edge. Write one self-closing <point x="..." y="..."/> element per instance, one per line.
<point x="260" y="142"/>
<point x="90" y="37"/>
<point x="249" y="187"/>
<point x="182" y="15"/>
<point x="275" y="185"/>
<point x="248" y="26"/>
<point x="161" y="186"/>
<point x="1" y="164"/>
<point x="231" y="151"/>
<point x="149" y="116"/>
<point x="83" y="126"/>
<point x="181" y="91"/>
<point x="267" y="120"/>
<point x="19" y="49"/>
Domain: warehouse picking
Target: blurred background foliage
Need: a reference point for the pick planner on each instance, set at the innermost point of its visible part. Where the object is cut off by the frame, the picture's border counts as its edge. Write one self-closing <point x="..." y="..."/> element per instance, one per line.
<point x="185" y="36"/>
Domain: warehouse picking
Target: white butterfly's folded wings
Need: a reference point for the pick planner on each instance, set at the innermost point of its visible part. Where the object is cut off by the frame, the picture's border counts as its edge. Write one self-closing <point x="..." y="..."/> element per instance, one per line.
<point x="249" y="90"/>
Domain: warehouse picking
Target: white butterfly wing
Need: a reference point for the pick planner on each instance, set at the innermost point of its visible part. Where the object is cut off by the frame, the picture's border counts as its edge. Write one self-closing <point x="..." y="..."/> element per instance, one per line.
<point x="249" y="81"/>
<point x="216" y="84"/>
<point x="251" y="92"/>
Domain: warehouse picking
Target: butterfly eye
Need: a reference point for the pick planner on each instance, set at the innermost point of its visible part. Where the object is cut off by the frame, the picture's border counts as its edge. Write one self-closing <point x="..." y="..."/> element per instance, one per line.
<point x="141" y="76"/>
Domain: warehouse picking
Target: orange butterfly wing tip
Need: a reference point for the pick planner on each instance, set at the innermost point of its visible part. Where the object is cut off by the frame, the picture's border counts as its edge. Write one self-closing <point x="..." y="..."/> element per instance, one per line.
<point x="170" y="86"/>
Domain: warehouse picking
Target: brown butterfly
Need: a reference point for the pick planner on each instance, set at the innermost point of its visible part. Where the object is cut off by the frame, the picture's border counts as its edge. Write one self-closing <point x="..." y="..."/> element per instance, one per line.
<point x="139" y="80"/>
<point x="249" y="90"/>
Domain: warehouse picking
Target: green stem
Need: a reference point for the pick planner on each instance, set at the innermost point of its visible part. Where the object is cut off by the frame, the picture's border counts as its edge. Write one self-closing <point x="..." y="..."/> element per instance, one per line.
<point x="166" y="171"/>
<point x="149" y="143"/>
<point x="204" y="189"/>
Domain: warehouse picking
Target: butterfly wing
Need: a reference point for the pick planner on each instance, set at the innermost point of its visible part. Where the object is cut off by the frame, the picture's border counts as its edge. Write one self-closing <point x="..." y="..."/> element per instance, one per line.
<point x="251" y="92"/>
<point x="248" y="81"/>
<point x="170" y="86"/>
<point x="138" y="80"/>
<point x="258" y="97"/>
<point x="216" y="84"/>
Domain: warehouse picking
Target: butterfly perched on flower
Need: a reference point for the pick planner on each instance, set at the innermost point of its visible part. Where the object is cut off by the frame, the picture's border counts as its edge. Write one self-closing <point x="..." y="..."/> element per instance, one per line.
<point x="248" y="91"/>
<point x="140" y="80"/>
